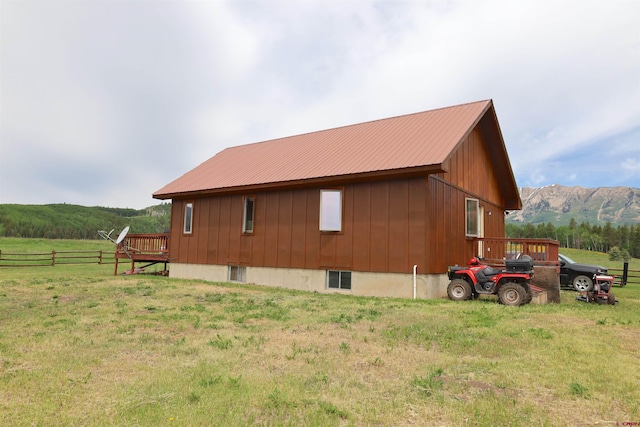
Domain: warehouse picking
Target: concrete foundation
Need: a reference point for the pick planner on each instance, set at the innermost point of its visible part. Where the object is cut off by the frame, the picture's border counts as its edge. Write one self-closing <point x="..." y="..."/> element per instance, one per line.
<point x="397" y="285"/>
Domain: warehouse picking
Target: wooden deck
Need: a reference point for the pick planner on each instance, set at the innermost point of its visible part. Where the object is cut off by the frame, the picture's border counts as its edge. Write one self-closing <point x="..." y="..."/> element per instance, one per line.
<point x="496" y="250"/>
<point x="143" y="248"/>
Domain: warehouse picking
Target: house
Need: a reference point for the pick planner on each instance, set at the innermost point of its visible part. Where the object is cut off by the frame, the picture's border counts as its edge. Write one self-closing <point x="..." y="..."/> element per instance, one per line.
<point x="379" y="208"/>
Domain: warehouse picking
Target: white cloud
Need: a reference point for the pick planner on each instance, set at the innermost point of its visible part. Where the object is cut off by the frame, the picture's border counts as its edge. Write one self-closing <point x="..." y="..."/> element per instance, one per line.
<point x="96" y="87"/>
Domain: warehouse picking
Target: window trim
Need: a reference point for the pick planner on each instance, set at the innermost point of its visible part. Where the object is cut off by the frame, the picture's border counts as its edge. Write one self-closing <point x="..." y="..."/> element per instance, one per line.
<point x="187" y="214"/>
<point x="468" y="226"/>
<point x="327" y="225"/>
<point x="245" y="201"/>
<point x="341" y="273"/>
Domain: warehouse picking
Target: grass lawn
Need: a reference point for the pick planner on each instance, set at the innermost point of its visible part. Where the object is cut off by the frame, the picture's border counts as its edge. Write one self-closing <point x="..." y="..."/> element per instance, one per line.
<point x="79" y="346"/>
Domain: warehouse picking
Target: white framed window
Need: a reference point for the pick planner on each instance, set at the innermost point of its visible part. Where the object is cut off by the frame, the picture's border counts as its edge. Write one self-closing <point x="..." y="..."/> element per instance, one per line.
<point x="188" y="217"/>
<point x="247" y="220"/>
<point x="472" y="217"/>
<point x="237" y="273"/>
<point x="338" y="279"/>
<point x="330" y="210"/>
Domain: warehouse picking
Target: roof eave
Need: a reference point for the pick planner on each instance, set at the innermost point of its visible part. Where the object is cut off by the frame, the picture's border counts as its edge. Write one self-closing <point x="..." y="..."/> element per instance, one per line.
<point x="310" y="182"/>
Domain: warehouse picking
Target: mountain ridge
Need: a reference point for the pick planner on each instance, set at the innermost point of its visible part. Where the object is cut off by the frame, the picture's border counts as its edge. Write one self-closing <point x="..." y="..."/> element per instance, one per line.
<point x="558" y="204"/>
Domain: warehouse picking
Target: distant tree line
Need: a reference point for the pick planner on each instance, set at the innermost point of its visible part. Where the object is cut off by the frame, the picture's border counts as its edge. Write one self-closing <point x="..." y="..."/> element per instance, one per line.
<point x="600" y="238"/>
<point x="61" y="221"/>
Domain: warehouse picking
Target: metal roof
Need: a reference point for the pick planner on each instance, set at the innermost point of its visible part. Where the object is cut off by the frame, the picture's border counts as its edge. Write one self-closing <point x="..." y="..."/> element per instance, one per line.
<point x="414" y="142"/>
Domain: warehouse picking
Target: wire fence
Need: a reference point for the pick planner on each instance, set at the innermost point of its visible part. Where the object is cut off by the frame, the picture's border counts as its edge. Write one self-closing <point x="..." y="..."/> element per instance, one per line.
<point x="53" y="258"/>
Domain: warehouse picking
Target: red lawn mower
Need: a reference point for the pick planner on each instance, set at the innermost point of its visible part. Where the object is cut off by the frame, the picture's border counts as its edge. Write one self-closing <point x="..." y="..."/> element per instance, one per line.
<point x="601" y="292"/>
<point x="511" y="284"/>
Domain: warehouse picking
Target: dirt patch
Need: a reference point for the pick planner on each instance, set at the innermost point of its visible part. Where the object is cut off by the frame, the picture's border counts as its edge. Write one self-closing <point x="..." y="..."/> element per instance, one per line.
<point x="470" y="387"/>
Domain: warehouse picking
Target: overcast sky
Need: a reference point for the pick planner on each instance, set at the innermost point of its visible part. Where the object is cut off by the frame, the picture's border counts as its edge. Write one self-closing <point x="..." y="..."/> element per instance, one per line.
<point x="104" y="102"/>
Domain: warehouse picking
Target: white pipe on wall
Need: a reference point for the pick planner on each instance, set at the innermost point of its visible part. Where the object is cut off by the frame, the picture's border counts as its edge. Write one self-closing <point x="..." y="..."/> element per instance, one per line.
<point x="415" y="271"/>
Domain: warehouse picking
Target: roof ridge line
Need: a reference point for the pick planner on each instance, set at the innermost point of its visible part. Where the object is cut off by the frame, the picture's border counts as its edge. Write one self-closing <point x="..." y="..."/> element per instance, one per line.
<point x="358" y="124"/>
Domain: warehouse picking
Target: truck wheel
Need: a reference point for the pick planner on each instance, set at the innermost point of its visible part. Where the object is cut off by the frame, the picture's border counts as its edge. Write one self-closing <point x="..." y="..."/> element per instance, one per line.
<point x="459" y="290"/>
<point x="582" y="283"/>
<point x="512" y="294"/>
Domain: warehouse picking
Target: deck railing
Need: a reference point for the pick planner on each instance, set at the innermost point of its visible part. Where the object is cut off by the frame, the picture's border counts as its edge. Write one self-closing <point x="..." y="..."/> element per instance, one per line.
<point x="144" y="245"/>
<point x="496" y="250"/>
<point x="147" y="248"/>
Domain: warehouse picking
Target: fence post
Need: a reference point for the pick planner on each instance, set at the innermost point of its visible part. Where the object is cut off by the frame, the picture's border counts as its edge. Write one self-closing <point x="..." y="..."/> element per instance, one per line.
<point x="100" y="257"/>
<point x="625" y="274"/>
<point x="53" y="258"/>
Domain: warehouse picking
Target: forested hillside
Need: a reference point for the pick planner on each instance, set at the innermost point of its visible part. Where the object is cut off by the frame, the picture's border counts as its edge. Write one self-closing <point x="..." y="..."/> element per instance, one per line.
<point x="63" y="221"/>
<point x="601" y="238"/>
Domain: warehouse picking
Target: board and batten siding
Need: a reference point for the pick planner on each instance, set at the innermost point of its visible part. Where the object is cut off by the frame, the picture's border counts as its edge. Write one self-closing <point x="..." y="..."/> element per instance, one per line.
<point x="471" y="174"/>
<point x="383" y="229"/>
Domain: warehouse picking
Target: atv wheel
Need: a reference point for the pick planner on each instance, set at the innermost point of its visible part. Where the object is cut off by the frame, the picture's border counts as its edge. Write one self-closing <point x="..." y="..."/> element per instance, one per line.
<point x="459" y="290"/>
<point x="582" y="283"/>
<point x="512" y="294"/>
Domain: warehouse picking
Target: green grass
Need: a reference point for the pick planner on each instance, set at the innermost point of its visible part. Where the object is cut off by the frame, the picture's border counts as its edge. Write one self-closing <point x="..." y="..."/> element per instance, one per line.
<point x="79" y="346"/>
<point x="13" y="245"/>
<point x="18" y="245"/>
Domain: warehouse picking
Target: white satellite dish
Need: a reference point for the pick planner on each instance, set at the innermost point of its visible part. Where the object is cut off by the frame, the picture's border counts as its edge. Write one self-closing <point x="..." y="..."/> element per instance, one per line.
<point x="122" y="235"/>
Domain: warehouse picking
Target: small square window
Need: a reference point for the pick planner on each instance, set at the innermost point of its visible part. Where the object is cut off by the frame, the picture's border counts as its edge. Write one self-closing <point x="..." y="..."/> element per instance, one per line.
<point x="188" y="217"/>
<point x="237" y="273"/>
<point x="338" y="279"/>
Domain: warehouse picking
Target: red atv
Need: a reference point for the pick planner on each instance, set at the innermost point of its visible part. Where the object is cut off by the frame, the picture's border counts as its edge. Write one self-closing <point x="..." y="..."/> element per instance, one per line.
<point x="512" y="284"/>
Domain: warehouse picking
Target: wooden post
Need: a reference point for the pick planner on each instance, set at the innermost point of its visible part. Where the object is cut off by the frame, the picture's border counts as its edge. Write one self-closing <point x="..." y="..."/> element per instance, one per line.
<point x="100" y="257"/>
<point x="53" y="258"/>
<point x="625" y="274"/>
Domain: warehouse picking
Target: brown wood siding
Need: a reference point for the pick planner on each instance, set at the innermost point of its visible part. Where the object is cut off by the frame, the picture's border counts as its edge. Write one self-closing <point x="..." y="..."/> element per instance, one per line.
<point x="470" y="168"/>
<point x="362" y="229"/>
<point x="201" y="222"/>
<point x="470" y="175"/>
<point x="213" y="248"/>
<point x="383" y="229"/>
<point x="448" y="242"/>
<point x="344" y="240"/>
<point x="298" y="230"/>
<point x="312" y="254"/>
<point x="284" y="229"/>
<point x="398" y="225"/>
<point x="257" y="240"/>
<point x="379" y="228"/>
<point x="175" y="252"/>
